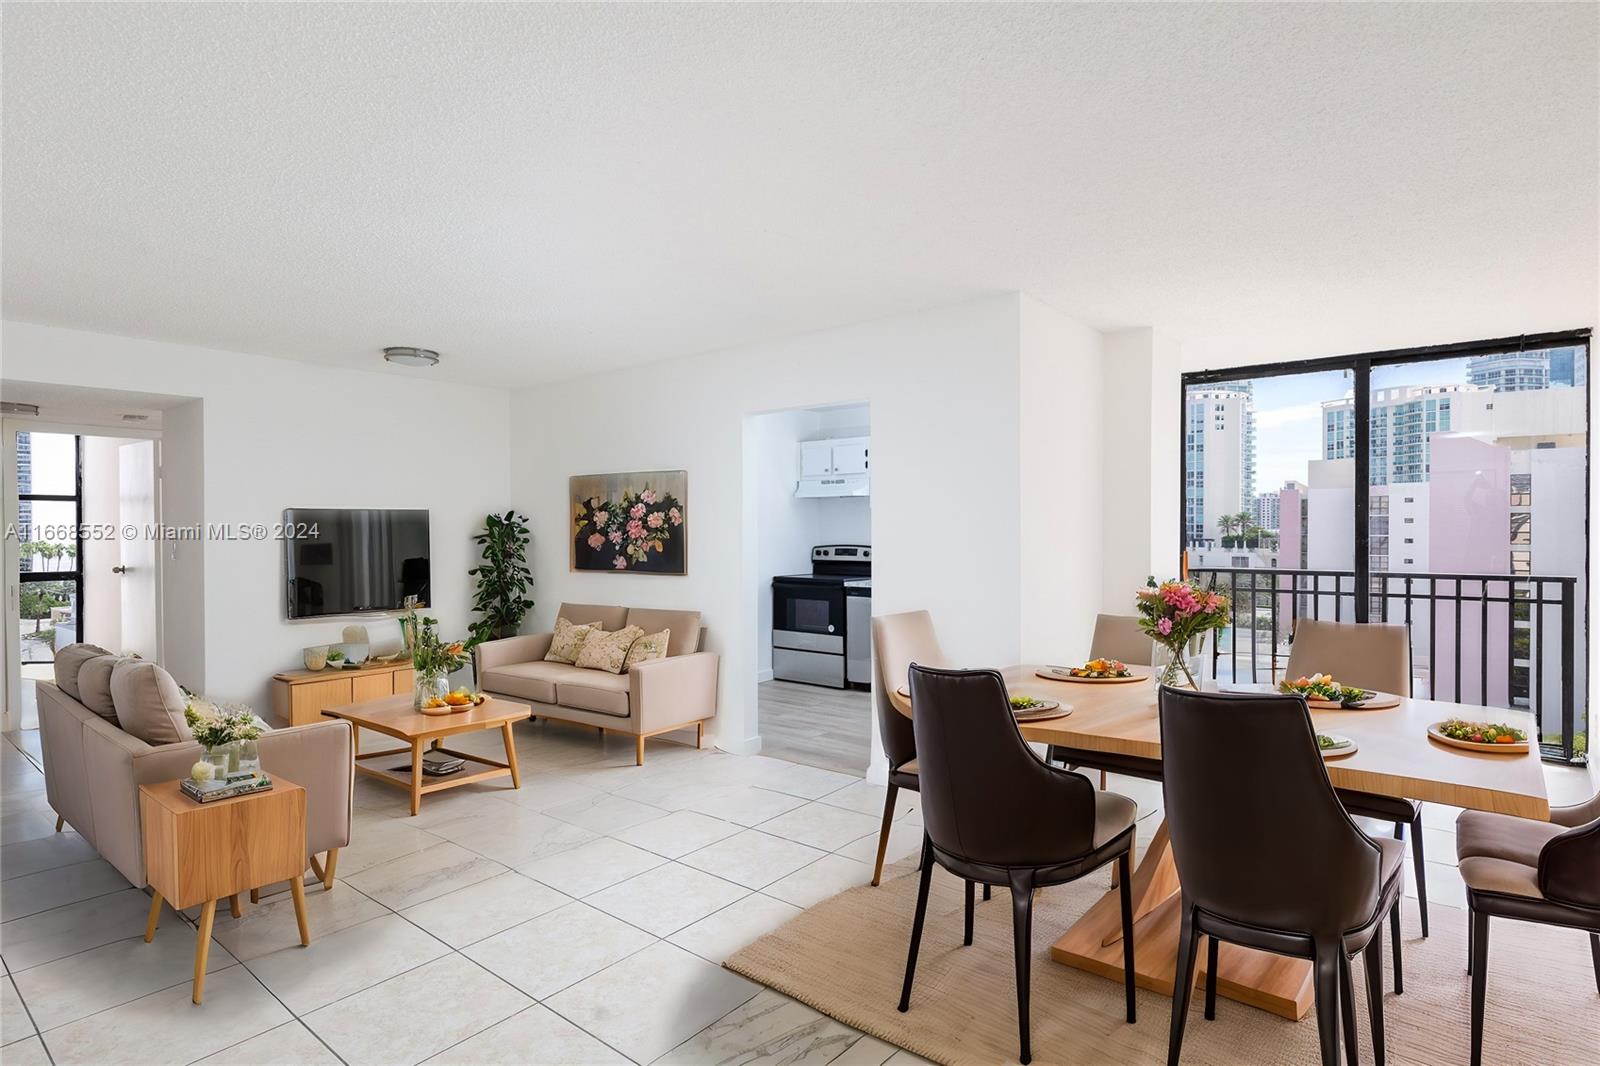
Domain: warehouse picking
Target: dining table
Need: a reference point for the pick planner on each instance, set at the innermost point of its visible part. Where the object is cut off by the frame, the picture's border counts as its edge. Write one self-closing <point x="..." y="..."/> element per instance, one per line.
<point x="1393" y="756"/>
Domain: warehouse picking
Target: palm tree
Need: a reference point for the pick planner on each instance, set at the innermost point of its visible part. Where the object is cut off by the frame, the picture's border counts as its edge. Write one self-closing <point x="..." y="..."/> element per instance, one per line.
<point x="1225" y="524"/>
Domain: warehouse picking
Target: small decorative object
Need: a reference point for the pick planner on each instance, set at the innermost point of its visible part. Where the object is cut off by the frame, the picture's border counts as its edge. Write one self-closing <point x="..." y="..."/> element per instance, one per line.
<point x="249" y="756"/>
<point x="221" y="731"/>
<point x="433" y="660"/>
<point x="202" y="771"/>
<point x="630" y="522"/>
<point x="1176" y="615"/>
<point x="503" y="578"/>
<point x="356" y="634"/>
<point x="316" y="658"/>
<point x="334" y="658"/>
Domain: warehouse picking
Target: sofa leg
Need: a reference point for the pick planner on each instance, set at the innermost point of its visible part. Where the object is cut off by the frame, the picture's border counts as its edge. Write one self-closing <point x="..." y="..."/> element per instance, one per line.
<point x="60" y="821"/>
<point x="699" y="735"/>
<point x="329" y="865"/>
<point x="638" y="751"/>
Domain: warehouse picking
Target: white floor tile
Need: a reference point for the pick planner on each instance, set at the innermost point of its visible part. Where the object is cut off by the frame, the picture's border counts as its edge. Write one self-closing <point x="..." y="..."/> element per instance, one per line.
<point x="677" y="834"/>
<point x="83" y="984"/>
<point x="807" y="782"/>
<point x="539" y="792"/>
<point x="664" y="900"/>
<point x="719" y="935"/>
<point x="417" y="1014"/>
<point x="770" y="1027"/>
<point x="557" y="949"/>
<point x="821" y="826"/>
<point x="622" y="1004"/>
<point x="864" y="797"/>
<point x="904" y="839"/>
<point x="44" y="853"/>
<point x="32" y="893"/>
<point x="412" y="879"/>
<point x="469" y="914"/>
<point x="14" y="1021"/>
<point x="536" y="1032"/>
<point x="744" y="804"/>
<point x="515" y="835"/>
<point x="590" y="867"/>
<point x="270" y="925"/>
<point x="345" y="962"/>
<point x="826" y="877"/>
<point x="866" y="1051"/>
<point x="26" y="1052"/>
<point x="289" y="1042"/>
<point x="55" y="934"/>
<point x="376" y="839"/>
<point x="752" y="858"/>
<point x="166" y="1026"/>
<point x="606" y="813"/>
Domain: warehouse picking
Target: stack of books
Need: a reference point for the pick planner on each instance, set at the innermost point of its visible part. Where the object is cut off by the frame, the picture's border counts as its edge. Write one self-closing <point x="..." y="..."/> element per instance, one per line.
<point x="225" y="787"/>
<point x="438" y="764"/>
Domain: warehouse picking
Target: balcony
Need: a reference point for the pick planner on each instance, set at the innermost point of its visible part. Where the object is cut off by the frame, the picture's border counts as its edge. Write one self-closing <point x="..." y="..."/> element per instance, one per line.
<point x="1496" y="640"/>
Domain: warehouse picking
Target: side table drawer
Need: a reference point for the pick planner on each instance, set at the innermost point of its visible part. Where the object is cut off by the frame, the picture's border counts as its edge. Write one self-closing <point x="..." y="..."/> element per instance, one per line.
<point x="198" y="852"/>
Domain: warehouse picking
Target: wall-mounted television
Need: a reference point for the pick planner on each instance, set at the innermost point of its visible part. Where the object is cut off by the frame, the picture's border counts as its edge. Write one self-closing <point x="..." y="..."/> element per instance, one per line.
<point x="343" y="561"/>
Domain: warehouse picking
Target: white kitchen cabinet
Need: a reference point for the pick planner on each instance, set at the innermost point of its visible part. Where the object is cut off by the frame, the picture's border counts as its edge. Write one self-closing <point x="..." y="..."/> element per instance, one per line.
<point x="816" y="458"/>
<point x="850" y="456"/>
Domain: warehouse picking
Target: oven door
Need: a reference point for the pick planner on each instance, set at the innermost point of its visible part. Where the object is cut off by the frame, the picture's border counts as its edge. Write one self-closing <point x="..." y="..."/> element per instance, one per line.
<point x="808" y="617"/>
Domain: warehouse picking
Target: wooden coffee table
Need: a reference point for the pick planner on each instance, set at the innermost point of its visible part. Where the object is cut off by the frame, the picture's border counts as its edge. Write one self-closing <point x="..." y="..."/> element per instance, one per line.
<point x="394" y="716"/>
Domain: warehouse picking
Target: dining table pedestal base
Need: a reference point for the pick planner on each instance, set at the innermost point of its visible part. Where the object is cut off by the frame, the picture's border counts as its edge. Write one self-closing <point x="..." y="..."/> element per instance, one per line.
<point x="1279" y="984"/>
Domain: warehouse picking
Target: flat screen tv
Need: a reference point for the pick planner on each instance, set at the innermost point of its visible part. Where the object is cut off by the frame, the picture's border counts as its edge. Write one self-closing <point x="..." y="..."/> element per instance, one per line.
<point x="341" y="561"/>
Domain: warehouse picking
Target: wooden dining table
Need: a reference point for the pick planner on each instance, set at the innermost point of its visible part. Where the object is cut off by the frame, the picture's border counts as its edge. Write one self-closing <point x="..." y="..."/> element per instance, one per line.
<point x="1394" y="757"/>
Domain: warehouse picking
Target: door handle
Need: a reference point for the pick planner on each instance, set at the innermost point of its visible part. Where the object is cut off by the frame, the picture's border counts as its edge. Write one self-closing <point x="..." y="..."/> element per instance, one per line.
<point x="119" y="569"/>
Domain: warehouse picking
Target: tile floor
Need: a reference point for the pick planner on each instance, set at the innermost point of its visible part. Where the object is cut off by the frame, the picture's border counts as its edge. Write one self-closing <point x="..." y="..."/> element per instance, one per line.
<point x="581" y="919"/>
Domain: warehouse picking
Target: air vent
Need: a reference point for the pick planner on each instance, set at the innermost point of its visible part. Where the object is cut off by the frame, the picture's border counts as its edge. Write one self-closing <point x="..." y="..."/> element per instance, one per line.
<point x="9" y="408"/>
<point x="136" y="418"/>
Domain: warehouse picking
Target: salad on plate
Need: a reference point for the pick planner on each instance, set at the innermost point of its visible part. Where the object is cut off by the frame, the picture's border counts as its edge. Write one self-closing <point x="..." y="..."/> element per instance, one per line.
<point x="1100" y="668"/>
<point x="1481" y="732"/>
<point x="1324" y="688"/>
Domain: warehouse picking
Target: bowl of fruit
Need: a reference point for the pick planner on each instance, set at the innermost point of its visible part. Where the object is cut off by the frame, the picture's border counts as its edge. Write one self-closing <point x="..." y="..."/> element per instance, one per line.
<point x="461" y="699"/>
<point x="1496" y="737"/>
<point x="1323" y="693"/>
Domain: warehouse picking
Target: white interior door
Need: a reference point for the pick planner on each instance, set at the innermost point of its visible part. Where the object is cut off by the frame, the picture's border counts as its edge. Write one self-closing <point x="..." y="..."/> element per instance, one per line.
<point x="140" y="585"/>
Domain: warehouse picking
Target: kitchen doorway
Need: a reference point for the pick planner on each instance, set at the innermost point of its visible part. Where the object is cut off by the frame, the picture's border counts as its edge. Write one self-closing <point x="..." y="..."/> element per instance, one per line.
<point x="814" y="585"/>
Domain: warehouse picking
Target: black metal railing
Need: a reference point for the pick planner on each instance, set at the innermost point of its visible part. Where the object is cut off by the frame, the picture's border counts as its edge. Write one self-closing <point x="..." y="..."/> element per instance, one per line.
<point x="1504" y="640"/>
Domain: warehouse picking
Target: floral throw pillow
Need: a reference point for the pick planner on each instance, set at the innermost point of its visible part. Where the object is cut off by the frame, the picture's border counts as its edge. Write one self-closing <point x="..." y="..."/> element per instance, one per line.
<point x="653" y="646"/>
<point x="568" y="640"/>
<point x="608" y="651"/>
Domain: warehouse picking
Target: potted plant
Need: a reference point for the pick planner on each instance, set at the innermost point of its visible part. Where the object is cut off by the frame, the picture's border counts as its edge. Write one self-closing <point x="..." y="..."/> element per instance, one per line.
<point x="432" y="658"/>
<point x="228" y="734"/>
<point x="1174" y="614"/>
<point x="503" y="578"/>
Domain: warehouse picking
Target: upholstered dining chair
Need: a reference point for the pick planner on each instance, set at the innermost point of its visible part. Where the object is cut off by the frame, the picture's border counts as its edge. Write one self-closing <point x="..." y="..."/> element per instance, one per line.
<point x="1545" y="872"/>
<point x="898" y="640"/>
<point x="1377" y="656"/>
<point x="1116" y="636"/>
<point x="1269" y="859"/>
<point x="993" y="812"/>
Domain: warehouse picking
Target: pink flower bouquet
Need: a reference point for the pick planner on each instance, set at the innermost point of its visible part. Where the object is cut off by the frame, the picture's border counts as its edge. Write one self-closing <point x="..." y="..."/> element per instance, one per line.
<point x="1174" y="613"/>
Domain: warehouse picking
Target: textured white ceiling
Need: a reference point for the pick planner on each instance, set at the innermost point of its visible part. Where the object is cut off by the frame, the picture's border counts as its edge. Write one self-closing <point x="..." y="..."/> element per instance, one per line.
<point x="540" y="191"/>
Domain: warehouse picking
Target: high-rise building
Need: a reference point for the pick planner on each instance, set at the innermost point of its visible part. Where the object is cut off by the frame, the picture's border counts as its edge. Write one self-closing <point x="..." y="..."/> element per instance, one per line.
<point x="1403" y="419"/>
<point x="1220" y="462"/>
<point x="1266" y="510"/>
<point x="1512" y="371"/>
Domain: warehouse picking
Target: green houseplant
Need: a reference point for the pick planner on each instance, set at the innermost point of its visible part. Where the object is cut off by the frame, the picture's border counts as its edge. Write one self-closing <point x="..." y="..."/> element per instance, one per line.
<point x="503" y="578"/>
<point x="433" y="659"/>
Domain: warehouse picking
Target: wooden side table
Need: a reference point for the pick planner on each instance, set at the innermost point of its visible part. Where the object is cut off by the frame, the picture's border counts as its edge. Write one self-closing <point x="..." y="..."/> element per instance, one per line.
<point x="199" y="853"/>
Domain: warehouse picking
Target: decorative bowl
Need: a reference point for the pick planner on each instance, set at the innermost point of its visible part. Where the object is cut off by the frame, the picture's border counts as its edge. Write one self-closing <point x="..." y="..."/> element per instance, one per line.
<point x="316" y="658"/>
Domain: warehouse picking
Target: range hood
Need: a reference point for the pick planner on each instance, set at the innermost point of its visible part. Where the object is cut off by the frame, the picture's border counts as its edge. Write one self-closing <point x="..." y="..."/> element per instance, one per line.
<point x="834" y="485"/>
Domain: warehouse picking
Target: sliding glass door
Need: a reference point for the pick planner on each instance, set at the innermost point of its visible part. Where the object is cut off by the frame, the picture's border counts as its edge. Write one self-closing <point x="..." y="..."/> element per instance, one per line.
<point x="50" y="548"/>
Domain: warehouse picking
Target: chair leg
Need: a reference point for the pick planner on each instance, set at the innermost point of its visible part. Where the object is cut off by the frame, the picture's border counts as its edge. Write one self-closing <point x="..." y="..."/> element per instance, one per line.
<point x="916" y="923"/>
<point x="1128" y="974"/>
<point x="883" y="834"/>
<point x="1373" y="958"/>
<point x="60" y="821"/>
<point x="986" y="890"/>
<point x="1022" y="933"/>
<point x="1594" y="950"/>
<point x="1347" y="1011"/>
<point x="1326" y="983"/>
<point x="1480" y="966"/>
<point x="1211" y="978"/>
<point x="1394" y="931"/>
<point x="1420" y="864"/>
<point x="1470" y="913"/>
<point x="966" y="939"/>
<point x="1182" y="982"/>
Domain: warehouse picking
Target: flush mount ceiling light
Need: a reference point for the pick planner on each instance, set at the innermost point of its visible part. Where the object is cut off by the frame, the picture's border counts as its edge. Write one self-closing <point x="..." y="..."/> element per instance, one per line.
<point x="411" y="356"/>
<point x="11" y="408"/>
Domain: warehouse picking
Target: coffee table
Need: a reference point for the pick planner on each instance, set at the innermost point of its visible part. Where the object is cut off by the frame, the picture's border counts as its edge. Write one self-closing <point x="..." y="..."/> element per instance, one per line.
<point x="394" y="716"/>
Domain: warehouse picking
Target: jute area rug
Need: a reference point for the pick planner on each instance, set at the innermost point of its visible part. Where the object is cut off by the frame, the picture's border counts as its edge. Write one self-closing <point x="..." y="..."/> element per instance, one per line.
<point x="846" y="958"/>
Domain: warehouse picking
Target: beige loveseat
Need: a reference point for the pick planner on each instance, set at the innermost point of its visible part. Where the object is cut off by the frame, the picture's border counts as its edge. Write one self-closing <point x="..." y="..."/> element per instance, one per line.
<point x="93" y="770"/>
<point x="650" y="698"/>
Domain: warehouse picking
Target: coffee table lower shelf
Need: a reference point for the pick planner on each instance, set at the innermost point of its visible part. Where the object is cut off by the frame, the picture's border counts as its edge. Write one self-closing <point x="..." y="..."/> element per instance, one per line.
<point x="420" y="784"/>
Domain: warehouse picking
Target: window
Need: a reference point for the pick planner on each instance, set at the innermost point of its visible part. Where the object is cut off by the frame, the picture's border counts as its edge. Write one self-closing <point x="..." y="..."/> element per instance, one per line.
<point x="1521" y="527"/>
<point x="49" y="517"/>
<point x="1521" y="561"/>
<point x="1522" y="490"/>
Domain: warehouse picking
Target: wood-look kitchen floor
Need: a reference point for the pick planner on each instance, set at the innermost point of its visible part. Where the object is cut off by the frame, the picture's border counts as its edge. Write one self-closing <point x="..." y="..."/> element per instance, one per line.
<point x="825" y="727"/>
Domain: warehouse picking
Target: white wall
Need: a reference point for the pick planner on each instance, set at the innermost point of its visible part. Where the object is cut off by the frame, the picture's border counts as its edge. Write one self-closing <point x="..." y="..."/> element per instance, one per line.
<point x="265" y="434"/>
<point x="943" y="386"/>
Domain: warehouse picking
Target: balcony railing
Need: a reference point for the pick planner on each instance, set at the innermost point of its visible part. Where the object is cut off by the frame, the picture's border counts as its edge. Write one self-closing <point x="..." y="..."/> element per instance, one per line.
<point x="1496" y="640"/>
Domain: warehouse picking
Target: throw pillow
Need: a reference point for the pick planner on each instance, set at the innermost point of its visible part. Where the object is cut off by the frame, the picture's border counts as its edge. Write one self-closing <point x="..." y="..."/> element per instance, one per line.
<point x="608" y="651"/>
<point x="653" y="646"/>
<point x="149" y="703"/>
<point x="69" y="661"/>
<point x="568" y="640"/>
<point x="94" y="686"/>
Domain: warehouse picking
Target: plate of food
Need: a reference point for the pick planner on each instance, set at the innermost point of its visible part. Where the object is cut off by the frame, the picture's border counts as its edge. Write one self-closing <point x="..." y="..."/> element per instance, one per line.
<point x="1333" y="745"/>
<point x="454" y="702"/>
<point x="1323" y="693"/>
<point x="1033" y="708"/>
<point x="1495" y="737"/>
<point x="1093" y="672"/>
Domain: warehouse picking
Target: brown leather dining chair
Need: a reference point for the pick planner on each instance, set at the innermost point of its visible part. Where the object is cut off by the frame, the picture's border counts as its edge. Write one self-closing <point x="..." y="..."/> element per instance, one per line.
<point x="1268" y="858"/>
<point x="1377" y="656"/>
<point x="993" y="812"/>
<point x="1531" y="871"/>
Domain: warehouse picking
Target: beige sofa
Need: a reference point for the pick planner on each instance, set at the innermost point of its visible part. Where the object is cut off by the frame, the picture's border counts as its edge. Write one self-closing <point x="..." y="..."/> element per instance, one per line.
<point x="651" y="698"/>
<point x="93" y="770"/>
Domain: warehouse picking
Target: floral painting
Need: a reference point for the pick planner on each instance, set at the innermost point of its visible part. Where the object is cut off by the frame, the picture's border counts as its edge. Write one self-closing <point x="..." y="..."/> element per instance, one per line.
<point x="630" y="523"/>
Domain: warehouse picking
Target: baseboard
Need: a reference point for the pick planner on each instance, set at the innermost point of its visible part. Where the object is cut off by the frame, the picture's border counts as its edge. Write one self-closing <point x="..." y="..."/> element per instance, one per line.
<point x="747" y="746"/>
<point x="763" y="675"/>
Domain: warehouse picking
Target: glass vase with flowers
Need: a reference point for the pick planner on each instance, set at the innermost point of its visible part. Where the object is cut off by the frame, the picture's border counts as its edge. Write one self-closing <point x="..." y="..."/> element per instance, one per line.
<point x="433" y="659"/>
<point x="227" y="733"/>
<point x="1177" y="615"/>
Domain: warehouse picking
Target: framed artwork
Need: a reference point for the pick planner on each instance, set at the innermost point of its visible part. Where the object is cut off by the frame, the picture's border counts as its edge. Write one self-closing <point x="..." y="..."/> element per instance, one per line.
<point x="635" y="523"/>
